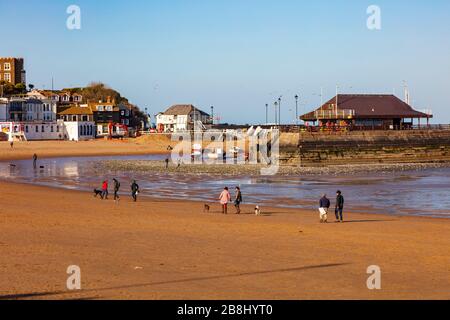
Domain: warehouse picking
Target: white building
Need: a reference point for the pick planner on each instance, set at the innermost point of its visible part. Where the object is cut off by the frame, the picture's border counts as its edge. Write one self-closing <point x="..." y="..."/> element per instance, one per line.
<point x="180" y="118"/>
<point x="31" y="130"/>
<point x="31" y="108"/>
<point x="78" y="123"/>
<point x="40" y="110"/>
<point x="4" y="109"/>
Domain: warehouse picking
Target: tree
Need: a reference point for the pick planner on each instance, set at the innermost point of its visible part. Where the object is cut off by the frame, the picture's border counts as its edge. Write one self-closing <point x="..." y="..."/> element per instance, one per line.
<point x="31" y="87"/>
<point x="8" y="88"/>
<point x="97" y="91"/>
<point x="20" y="88"/>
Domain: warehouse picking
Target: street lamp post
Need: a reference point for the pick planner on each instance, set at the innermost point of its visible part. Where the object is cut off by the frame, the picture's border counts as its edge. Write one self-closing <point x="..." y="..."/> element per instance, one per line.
<point x="146" y="118"/>
<point x="279" y="111"/>
<point x="267" y="113"/>
<point x="296" y="108"/>
<point x="276" y="112"/>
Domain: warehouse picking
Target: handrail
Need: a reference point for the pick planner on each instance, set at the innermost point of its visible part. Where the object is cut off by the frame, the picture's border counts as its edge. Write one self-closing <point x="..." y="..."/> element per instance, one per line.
<point x="334" y="114"/>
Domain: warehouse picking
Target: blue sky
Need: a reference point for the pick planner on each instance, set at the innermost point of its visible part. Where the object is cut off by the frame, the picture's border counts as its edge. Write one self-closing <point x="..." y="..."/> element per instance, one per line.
<point x="237" y="55"/>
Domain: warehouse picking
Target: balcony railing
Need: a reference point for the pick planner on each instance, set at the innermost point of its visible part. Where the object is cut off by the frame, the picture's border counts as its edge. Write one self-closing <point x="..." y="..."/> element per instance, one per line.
<point x="334" y="114"/>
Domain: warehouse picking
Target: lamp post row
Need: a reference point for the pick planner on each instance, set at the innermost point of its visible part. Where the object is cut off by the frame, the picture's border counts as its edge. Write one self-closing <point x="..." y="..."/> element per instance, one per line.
<point x="277" y="107"/>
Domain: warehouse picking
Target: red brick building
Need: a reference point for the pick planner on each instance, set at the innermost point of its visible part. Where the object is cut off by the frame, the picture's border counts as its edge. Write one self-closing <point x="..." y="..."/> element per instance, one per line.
<point x="12" y="70"/>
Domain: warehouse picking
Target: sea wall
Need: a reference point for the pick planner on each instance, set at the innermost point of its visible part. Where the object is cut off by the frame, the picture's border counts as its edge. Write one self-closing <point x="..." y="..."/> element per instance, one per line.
<point x="365" y="147"/>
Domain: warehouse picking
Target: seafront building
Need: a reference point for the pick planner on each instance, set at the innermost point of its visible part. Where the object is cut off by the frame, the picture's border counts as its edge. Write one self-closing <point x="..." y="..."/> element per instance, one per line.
<point x="3" y="109"/>
<point x="107" y="118"/>
<point x="181" y="118"/>
<point x="78" y="122"/>
<point x="375" y="111"/>
<point x="56" y="114"/>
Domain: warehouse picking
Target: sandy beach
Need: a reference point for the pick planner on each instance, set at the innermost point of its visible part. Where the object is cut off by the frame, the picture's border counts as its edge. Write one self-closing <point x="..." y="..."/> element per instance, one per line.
<point x="49" y="149"/>
<point x="157" y="249"/>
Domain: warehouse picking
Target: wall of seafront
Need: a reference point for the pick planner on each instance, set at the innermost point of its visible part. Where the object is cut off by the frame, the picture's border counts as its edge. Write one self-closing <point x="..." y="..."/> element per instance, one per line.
<point x="365" y="147"/>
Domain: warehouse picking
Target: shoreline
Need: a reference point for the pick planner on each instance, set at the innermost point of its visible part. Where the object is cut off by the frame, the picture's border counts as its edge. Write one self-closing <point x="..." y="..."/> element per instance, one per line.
<point x="159" y="249"/>
<point x="146" y="146"/>
<point x="157" y="166"/>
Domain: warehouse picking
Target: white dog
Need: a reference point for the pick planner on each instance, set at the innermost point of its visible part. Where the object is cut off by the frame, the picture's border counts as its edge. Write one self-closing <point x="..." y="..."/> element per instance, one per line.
<point x="257" y="211"/>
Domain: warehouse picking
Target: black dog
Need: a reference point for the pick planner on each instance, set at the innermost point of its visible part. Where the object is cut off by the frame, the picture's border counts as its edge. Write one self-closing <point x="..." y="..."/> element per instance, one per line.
<point x="97" y="193"/>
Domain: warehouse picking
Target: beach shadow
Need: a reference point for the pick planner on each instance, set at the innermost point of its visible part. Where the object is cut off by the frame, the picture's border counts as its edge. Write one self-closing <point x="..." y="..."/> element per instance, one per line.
<point x="29" y="295"/>
<point x="218" y="277"/>
<point x="368" y="221"/>
<point x="149" y="284"/>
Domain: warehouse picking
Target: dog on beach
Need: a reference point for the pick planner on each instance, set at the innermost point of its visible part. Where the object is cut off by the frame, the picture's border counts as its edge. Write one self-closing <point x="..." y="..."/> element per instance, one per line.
<point x="206" y="208"/>
<point x="97" y="193"/>
<point x="257" y="210"/>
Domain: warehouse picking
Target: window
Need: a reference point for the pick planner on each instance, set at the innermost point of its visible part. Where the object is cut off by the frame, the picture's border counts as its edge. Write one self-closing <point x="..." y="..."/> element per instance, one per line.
<point x="43" y="129"/>
<point x="37" y="129"/>
<point x="100" y="108"/>
<point x="51" y="129"/>
<point x="26" y="129"/>
<point x="7" y="66"/>
<point x="57" y="128"/>
<point x="74" y="118"/>
<point x="7" y="77"/>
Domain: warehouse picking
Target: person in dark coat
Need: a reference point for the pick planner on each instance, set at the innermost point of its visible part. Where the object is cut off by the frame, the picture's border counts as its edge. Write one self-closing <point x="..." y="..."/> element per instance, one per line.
<point x="116" y="189"/>
<point x="339" y="206"/>
<point x="35" y="157"/>
<point x="167" y="163"/>
<point x="238" y="200"/>
<point x="134" y="190"/>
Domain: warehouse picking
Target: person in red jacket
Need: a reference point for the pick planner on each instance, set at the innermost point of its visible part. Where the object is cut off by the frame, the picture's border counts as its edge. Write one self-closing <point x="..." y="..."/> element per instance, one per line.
<point x="105" y="189"/>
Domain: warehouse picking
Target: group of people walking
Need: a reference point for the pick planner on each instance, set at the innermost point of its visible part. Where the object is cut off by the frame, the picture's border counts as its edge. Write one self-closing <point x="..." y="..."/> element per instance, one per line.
<point x="104" y="192"/>
<point x="325" y="204"/>
<point x="225" y="198"/>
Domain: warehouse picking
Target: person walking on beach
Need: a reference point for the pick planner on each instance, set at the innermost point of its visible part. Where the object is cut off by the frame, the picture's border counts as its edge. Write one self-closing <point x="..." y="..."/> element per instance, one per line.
<point x="116" y="189"/>
<point x="224" y="198"/>
<point x="324" y="206"/>
<point x="134" y="190"/>
<point x="35" y="157"/>
<point x="339" y="206"/>
<point x="167" y="162"/>
<point x="238" y="200"/>
<point x="105" y="189"/>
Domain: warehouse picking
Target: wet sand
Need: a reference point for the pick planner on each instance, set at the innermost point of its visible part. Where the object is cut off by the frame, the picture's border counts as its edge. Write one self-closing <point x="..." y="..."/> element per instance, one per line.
<point x="159" y="249"/>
